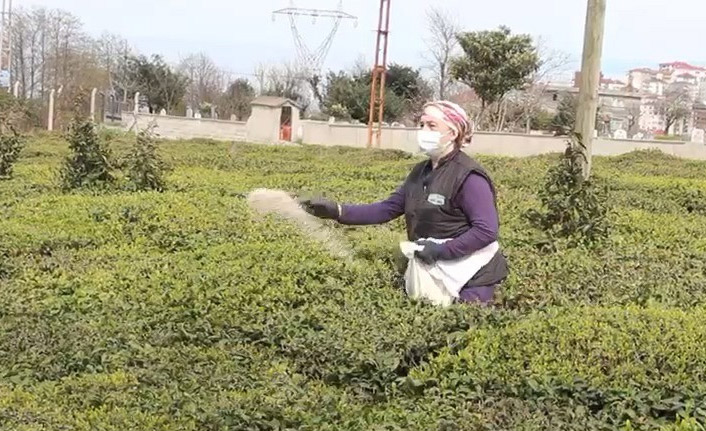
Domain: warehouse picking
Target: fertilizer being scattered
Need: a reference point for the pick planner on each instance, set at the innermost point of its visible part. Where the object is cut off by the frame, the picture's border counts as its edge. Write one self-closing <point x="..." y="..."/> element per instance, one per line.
<point x="279" y="202"/>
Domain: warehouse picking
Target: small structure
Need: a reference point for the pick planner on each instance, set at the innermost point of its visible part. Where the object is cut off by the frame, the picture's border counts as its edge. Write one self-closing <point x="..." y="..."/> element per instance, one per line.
<point x="697" y="136"/>
<point x="272" y="119"/>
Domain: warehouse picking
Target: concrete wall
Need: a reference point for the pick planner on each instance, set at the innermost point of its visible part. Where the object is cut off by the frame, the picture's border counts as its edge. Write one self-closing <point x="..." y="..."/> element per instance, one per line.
<point x="500" y="144"/>
<point x="263" y="124"/>
<point x="261" y="128"/>
<point x="170" y="127"/>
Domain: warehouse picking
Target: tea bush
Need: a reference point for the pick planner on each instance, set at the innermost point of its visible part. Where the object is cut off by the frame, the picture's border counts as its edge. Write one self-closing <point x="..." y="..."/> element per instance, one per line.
<point x="180" y="310"/>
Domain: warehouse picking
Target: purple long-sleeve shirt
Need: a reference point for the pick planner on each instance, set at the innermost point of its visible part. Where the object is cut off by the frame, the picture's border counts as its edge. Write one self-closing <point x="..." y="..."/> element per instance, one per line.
<point x="475" y="199"/>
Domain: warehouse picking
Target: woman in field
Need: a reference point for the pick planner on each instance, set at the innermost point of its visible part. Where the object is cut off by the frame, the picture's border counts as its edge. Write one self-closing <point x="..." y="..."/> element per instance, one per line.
<point x="448" y="196"/>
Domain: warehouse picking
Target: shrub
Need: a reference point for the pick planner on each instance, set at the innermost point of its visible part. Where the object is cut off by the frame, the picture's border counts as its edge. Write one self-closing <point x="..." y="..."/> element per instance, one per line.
<point x="574" y="208"/>
<point x="88" y="164"/>
<point x="144" y="166"/>
<point x="11" y="144"/>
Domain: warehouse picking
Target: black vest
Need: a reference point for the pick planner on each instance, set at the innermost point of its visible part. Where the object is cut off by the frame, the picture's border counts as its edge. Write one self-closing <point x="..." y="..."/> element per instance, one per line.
<point x="430" y="209"/>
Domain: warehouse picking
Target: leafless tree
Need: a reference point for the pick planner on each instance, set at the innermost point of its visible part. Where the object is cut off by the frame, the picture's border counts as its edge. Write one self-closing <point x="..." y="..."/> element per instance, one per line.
<point x="206" y="80"/>
<point x="441" y="44"/>
<point x="553" y="63"/>
<point x="28" y="37"/>
<point x="284" y="80"/>
<point x="675" y="105"/>
<point x="113" y="51"/>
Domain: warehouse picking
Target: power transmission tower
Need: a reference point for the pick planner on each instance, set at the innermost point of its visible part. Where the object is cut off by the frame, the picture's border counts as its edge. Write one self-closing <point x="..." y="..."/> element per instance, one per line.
<point x="377" y="86"/>
<point x="312" y="61"/>
<point x="5" y="44"/>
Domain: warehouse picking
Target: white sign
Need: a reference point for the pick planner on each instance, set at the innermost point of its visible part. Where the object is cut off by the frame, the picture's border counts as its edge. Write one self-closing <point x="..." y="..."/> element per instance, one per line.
<point x="697" y="136"/>
<point x="5" y="78"/>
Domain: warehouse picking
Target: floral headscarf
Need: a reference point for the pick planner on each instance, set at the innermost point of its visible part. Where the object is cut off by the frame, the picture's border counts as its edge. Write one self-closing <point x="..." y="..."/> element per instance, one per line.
<point x="455" y="117"/>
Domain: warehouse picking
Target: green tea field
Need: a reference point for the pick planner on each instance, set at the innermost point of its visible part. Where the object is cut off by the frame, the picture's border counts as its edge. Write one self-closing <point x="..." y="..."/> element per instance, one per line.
<point x="181" y="310"/>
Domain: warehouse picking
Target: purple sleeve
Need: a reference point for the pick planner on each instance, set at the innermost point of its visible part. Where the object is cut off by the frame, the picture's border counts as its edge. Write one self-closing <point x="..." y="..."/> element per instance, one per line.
<point x="375" y="213"/>
<point x="476" y="201"/>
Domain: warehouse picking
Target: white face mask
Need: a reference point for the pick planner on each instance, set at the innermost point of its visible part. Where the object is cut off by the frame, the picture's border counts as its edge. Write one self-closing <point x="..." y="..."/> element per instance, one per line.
<point x="429" y="141"/>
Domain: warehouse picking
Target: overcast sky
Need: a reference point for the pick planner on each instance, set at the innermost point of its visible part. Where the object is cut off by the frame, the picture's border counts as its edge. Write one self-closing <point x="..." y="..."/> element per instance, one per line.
<point x="238" y="34"/>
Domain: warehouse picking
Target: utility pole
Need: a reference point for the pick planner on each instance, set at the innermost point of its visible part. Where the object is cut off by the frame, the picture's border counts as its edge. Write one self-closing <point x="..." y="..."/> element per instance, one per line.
<point x="377" y="85"/>
<point x="590" y="78"/>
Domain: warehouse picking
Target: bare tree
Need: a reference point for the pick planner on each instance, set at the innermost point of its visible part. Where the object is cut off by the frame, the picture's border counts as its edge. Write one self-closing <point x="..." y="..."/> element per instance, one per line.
<point x="284" y="80"/>
<point x="27" y="64"/>
<point x="675" y="105"/>
<point x="261" y="77"/>
<point x="552" y="64"/>
<point x="206" y="80"/>
<point x="441" y="44"/>
<point x="112" y="50"/>
<point x="124" y="80"/>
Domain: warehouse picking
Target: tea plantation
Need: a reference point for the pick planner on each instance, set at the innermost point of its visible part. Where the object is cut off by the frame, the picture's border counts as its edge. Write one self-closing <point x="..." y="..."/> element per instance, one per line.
<point x="181" y="310"/>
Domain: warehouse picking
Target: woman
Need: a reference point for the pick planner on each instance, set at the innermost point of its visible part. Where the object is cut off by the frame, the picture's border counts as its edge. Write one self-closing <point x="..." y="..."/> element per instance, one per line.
<point x="447" y="196"/>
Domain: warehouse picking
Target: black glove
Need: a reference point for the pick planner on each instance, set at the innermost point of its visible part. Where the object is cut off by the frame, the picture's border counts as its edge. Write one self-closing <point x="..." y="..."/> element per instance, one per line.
<point x="430" y="253"/>
<point x="321" y="208"/>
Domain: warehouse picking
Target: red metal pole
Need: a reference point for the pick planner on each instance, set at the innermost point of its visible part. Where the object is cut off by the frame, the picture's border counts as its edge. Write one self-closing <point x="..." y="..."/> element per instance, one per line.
<point x="377" y="100"/>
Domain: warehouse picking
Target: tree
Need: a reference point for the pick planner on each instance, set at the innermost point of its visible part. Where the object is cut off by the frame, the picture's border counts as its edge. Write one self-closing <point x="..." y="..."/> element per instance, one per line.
<point x="347" y="96"/>
<point x="495" y="62"/>
<point x="145" y="167"/>
<point x="565" y="118"/>
<point x="162" y="87"/>
<point x="206" y="80"/>
<point x="409" y="86"/>
<point x="442" y="43"/>
<point x="675" y="105"/>
<point x="236" y="99"/>
<point x="88" y="163"/>
<point x="551" y="64"/>
<point x="114" y="52"/>
<point x="51" y="49"/>
<point x="348" y="93"/>
<point x="284" y="80"/>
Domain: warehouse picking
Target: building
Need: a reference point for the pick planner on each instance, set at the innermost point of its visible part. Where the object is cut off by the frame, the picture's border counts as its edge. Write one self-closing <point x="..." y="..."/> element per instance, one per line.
<point x="651" y="119"/>
<point x="646" y="80"/>
<point x="605" y="83"/>
<point x="274" y="119"/>
<point x="699" y="116"/>
<point x="617" y="110"/>
<point x="612" y="84"/>
<point x="673" y="71"/>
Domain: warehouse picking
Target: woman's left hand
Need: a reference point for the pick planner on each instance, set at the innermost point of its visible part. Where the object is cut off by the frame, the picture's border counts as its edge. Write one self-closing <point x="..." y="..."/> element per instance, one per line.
<point x="430" y="253"/>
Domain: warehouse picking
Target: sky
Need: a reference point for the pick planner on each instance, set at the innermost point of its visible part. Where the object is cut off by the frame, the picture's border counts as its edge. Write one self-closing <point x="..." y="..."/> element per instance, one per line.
<point x="240" y="34"/>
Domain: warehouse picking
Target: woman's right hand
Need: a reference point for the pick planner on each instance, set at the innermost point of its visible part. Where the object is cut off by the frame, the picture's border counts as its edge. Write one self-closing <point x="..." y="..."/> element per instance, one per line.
<point x="321" y="208"/>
